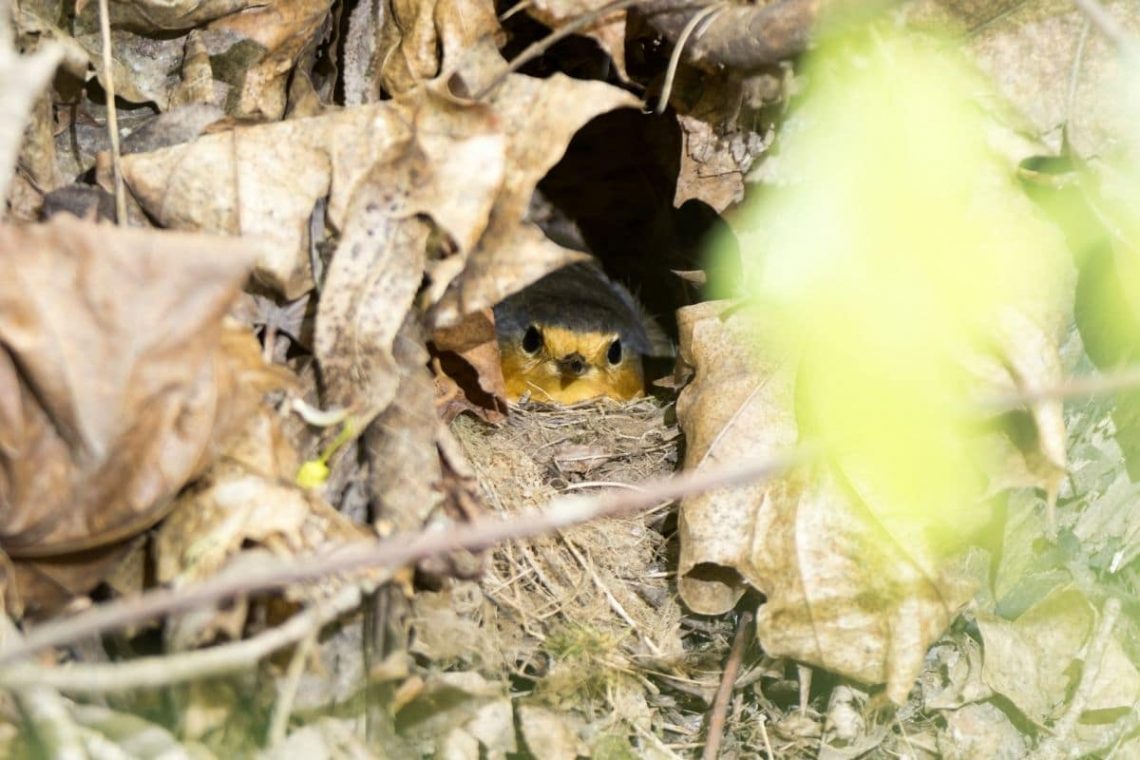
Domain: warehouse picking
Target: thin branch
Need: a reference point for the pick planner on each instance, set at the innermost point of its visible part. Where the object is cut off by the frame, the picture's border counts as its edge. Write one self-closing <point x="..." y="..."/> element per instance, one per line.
<point x="535" y="49"/>
<point x="45" y="712"/>
<point x="151" y="672"/>
<point x="287" y="694"/>
<point x="1105" y="22"/>
<point x="710" y="13"/>
<point x="112" y="113"/>
<point x="719" y="713"/>
<point x="1080" y="386"/>
<point x="397" y="551"/>
<point x="612" y="600"/>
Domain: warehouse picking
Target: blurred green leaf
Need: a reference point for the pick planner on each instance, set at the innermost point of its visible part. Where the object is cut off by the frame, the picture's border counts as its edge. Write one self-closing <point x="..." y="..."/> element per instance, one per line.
<point x="899" y="254"/>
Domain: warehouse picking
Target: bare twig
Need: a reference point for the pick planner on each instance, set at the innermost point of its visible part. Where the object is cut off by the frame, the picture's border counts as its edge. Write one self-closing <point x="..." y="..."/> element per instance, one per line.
<point x="400" y="550"/>
<point x="279" y="724"/>
<point x="112" y="113"/>
<point x="710" y="14"/>
<point x="748" y="36"/>
<point x="541" y="46"/>
<point x="150" y="672"/>
<point x="764" y="736"/>
<point x="803" y="674"/>
<point x="1058" y="745"/>
<point x="612" y="600"/>
<point x="1105" y="23"/>
<point x="1080" y="386"/>
<point x="719" y="713"/>
<point x="45" y="712"/>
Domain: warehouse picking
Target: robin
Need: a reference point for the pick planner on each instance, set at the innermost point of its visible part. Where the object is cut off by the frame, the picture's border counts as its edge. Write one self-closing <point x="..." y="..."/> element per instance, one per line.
<point x="571" y="336"/>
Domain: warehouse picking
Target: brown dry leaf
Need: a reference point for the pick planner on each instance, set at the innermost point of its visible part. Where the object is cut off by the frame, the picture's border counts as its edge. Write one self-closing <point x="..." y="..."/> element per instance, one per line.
<point x="118" y="378"/>
<point x="263" y="182"/>
<point x="539" y="116"/>
<point x="253" y="48"/>
<point x="278" y="32"/>
<point x="1046" y="61"/>
<point x="1033" y="661"/>
<point x="734" y="405"/>
<point x="246" y="499"/>
<point x="718" y="116"/>
<point x="608" y="31"/>
<point x="404" y="463"/>
<point x="116" y="336"/>
<point x="170" y="15"/>
<point x="414" y="34"/>
<point x="469" y="376"/>
<point x="449" y="166"/>
<point x="842" y="593"/>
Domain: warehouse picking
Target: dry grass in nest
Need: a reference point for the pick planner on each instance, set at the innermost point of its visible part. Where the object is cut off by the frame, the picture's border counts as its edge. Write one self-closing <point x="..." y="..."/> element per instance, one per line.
<point x="587" y="623"/>
<point x="584" y="617"/>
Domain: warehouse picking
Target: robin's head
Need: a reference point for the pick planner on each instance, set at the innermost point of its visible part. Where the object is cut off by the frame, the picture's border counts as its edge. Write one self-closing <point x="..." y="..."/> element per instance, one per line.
<point x="570" y="336"/>
<point x="565" y="364"/>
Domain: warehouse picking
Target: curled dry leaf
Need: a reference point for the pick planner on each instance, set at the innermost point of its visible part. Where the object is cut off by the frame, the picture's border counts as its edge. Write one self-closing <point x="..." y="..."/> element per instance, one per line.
<point x="263" y="182"/>
<point x="468" y="373"/>
<point x="279" y="32"/>
<point x="404" y="463"/>
<point x="252" y="47"/>
<point x="118" y="380"/>
<point x="449" y="164"/>
<point x="842" y="593"/>
<point x="420" y="38"/>
<point x="539" y="117"/>
<point x="733" y="406"/>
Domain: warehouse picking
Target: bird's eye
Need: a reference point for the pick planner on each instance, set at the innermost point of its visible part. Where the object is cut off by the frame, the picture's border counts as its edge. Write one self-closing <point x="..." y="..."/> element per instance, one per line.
<point x="614" y="354"/>
<point x="532" y="340"/>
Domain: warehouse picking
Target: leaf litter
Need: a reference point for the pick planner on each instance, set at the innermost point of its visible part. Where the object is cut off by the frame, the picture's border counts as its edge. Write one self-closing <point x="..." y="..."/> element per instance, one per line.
<point x="374" y="178"/>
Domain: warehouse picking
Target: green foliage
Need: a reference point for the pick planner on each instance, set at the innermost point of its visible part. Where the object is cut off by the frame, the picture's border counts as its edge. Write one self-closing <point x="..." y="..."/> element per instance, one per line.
<point x="889" y="262"/>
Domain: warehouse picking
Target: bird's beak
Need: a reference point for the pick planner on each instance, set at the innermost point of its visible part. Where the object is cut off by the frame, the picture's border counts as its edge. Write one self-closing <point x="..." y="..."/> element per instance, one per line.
<point x="572" y="365"/>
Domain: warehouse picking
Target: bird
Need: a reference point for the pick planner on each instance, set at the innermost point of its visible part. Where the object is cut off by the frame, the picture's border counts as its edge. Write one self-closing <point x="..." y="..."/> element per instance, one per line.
<point x="571" y="336"/>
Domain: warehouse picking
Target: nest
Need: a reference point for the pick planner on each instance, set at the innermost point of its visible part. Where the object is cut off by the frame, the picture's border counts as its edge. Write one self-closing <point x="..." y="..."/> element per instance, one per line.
<point x="577" y="619"/>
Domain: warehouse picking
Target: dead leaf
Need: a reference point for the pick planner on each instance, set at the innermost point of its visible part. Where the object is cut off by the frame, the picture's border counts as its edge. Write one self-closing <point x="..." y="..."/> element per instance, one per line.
<point x="1046" y="62"/>
<point x="255" y="52"/>
<point x="449" y="166"/>
<point x="401" y="446"/>
<point x="418" y="39"/>
<point x="126" y="380"/>
<point x="468" y="373"/>
<point x="735" y="404"/>
<point x="116" y="336"/>
<point x="263" y="182"/>
<point x="1033" y="661"/>
<point x="171" y="15"/>
<point x="513" y="253"/>
<point x="842" y="593"/>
